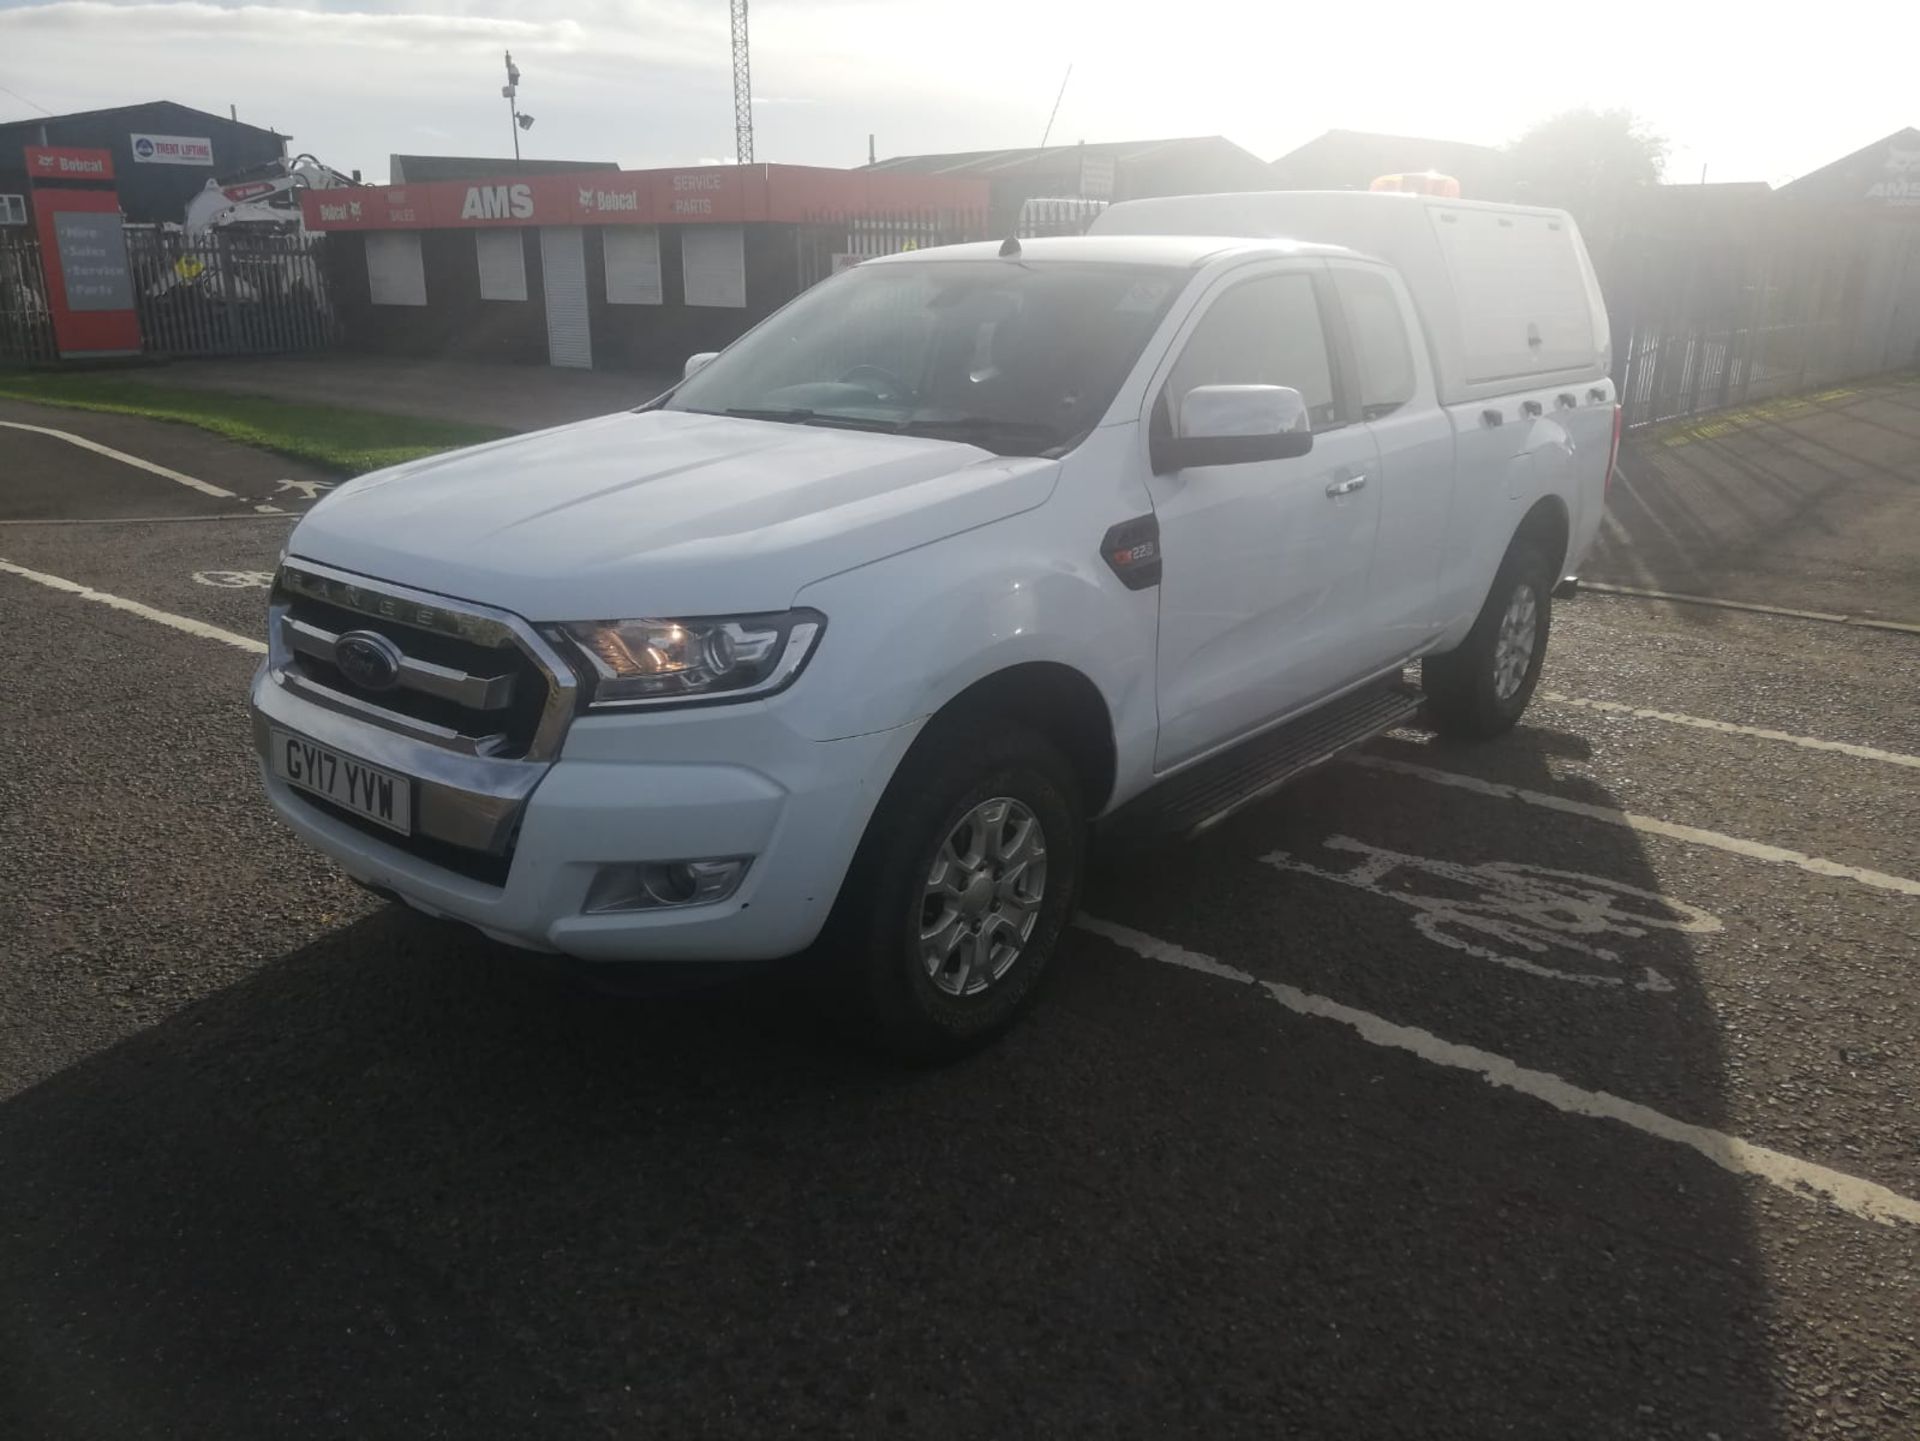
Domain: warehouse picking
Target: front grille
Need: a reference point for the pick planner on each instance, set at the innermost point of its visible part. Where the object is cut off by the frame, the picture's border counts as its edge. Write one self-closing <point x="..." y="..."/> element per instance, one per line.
<point x="466" y="678"/>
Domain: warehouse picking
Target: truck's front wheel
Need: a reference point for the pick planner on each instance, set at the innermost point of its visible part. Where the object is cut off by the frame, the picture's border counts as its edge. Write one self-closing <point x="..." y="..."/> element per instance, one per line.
<point x="1479" y="690"/>
<point x="967" y="876"/>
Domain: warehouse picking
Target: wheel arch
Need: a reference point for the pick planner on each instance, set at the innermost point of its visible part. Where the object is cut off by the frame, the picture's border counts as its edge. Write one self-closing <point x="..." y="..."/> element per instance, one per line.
<point x="1060" y="702"/>
<point x="1548" y="527"/>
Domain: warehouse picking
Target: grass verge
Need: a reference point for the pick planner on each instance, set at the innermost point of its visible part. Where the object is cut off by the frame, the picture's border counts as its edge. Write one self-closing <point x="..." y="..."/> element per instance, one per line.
<point x="350" y="442"/>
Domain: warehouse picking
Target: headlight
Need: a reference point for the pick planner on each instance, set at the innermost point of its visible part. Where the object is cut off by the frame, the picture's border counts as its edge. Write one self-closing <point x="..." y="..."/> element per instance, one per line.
<point x="714" y="658"/>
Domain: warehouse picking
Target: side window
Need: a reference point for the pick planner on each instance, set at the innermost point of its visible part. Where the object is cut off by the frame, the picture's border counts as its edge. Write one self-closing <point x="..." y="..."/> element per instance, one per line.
<point x="1261" y="332"/>
<point x="1379" y="334"/>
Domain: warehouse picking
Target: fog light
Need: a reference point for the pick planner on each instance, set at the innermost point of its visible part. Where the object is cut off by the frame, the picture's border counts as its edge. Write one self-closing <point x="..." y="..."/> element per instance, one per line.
<point x="657" y="885"/>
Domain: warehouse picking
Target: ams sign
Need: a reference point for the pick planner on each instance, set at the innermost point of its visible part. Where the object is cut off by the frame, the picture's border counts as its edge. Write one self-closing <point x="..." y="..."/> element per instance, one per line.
<point x="497" y="202"/>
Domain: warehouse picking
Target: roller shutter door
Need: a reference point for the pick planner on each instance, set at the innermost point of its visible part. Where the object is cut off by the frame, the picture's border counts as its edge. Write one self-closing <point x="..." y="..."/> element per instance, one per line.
<point x="394" y="273"/>
<point x="563" y="266"/>
<point x="502" y="255"/>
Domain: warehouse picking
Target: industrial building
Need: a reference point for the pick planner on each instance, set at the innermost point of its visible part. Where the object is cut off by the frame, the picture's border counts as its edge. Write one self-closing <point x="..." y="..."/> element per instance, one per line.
<point x="610" y="268"/>
<point x="163" y="154"/>
<point x="1109" y="171"/>
<point x="1353" y="159"/>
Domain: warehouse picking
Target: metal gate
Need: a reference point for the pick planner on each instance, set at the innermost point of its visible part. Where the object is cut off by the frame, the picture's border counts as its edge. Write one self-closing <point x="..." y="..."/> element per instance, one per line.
<point x="229" y="292"/>
<point x="826" y="243"/>
<point x="26" y="323"/>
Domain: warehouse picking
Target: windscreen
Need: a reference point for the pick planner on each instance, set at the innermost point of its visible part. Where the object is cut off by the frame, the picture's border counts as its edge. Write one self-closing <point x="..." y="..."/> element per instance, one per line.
<point x="1018" y="357"/>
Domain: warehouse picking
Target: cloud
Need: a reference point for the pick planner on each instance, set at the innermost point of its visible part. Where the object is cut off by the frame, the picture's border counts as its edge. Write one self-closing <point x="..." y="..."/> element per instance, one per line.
<point x="666" y="32"/>
<point x="649" y="81"/>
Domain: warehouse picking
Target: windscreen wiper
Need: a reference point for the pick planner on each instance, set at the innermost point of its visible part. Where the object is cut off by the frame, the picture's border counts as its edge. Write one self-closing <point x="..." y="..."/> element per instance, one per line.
<point x="790" y="417"/>
<point x="973" y="427"/>
<point x="802" y="416"/>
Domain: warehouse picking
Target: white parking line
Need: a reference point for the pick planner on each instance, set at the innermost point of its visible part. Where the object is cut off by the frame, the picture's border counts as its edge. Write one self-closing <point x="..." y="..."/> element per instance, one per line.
<point x="1812" y="743"/>
<point x="1635" y="592"/>
<point x="1865" y="1199"/>
<point x="204" y="487"/>
<point x="133" y="607"/>
<point x="1650" y="825"/>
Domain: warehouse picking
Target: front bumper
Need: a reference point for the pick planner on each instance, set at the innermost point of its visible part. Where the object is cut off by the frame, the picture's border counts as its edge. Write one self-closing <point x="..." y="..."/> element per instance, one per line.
<point x="720" y="781"/>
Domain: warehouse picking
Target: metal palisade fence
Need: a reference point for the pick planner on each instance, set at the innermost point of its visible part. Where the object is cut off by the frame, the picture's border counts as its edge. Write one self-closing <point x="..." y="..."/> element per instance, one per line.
<point x="26" y="322"/>
<point x="229" y="292"/>
<point x="204" y="295"/>
<point x="1057" y="215"/>
<point x="1713" y="311"/>
<point x="829" y="242"/>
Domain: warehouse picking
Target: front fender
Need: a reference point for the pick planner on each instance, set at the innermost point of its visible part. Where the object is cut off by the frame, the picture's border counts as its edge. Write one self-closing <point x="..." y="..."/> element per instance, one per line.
<point x="907" y="634"/>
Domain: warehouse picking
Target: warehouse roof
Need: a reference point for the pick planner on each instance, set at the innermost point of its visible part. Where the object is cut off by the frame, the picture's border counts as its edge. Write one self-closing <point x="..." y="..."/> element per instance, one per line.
<point x="146" y="107"/>
<point x="419" y="169"/>
<point x="1353" y="159"/>
<point x="988" y="163"/>
<point x="1884" y="174"/>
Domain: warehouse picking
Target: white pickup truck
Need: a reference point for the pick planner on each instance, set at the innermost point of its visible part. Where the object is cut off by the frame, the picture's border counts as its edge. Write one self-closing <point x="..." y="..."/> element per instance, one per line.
<point x="850" y="640"/>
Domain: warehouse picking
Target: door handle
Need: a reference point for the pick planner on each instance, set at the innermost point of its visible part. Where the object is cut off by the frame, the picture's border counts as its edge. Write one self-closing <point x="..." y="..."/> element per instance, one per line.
<point x="1346" y="484"/>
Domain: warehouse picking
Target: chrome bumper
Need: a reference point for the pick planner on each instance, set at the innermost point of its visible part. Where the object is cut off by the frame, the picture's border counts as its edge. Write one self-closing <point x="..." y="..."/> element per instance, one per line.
<point x="464" y="800"/>
<point x="467" y="792"/>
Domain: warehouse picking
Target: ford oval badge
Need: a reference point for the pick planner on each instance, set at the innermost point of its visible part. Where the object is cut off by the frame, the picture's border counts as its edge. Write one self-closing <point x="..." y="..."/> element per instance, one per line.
<point x="368" y="659"/>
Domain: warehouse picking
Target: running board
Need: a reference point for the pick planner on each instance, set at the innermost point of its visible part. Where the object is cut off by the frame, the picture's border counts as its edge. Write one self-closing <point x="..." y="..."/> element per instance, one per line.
<point x="1200" y="798"/>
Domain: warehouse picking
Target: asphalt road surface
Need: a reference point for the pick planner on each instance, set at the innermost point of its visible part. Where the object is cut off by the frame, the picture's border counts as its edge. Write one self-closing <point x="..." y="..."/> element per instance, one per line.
<point x="1561" y="1087"/>
<point x="1813" y="496"/>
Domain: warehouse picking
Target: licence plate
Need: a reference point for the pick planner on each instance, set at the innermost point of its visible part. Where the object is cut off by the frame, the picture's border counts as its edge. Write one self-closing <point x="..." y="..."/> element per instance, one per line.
<point x="353" y="785"/>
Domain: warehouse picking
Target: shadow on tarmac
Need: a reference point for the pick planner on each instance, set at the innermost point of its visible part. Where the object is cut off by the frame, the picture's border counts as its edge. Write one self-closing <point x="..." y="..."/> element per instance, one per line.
<point x="401" y="1183"/>
<point x="1814" y="512"/>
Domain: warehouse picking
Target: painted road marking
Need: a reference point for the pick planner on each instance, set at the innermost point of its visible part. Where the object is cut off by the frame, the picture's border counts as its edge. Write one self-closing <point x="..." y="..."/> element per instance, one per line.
<point x="1608" y="707"/>
<point x="1521" y="908"/>
<point x="120" y="455"/>
<point x="1806" y="1179"/>
<point x="133" y="607"/>
<point x="1727" y="422"/>
<point x="1649" y="825"/>
<point x="149" y="519"/>
<point x="308" y="490"/>
<point x="1831" y="617"/>
<point x="235" y="579"/>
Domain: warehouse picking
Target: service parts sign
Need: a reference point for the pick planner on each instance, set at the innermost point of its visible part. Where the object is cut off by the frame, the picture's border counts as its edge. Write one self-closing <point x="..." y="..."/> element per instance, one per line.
<point x="171" y="149"/>
<point x="93" y="260"/>
<point x="89" y="285"/>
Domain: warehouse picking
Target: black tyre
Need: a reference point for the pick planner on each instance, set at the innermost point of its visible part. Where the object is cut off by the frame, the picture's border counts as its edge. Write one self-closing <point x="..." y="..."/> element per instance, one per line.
<point x="969" y="871"/>
<point x="1480" y="689"/>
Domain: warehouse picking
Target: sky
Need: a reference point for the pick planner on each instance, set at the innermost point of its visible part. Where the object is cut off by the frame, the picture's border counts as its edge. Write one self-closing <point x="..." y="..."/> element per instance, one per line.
<point x="649" y="82"/>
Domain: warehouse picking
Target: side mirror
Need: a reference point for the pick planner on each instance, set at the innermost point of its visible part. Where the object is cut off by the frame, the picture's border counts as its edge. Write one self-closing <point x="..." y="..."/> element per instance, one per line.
<point x="697" y="363"/>
<point x="1236" y="424"/>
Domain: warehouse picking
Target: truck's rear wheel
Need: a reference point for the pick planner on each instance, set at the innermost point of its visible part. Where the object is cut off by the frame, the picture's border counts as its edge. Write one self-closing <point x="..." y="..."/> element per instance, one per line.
<point x="966" y="877"/>
<point x="1481" y="688"/>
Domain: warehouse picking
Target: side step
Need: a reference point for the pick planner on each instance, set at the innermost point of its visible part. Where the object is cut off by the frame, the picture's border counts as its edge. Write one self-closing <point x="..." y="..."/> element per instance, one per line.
<point x="1201" y="797"/>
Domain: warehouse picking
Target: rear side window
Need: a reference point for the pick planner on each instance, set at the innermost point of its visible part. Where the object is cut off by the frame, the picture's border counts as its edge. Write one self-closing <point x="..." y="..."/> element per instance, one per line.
<point x="1261" y="332"/>
<point x="1379" y="334"/>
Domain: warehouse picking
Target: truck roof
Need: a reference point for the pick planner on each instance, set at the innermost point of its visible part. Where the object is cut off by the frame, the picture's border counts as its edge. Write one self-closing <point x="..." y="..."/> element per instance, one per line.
<point x="1506" y="293"/>
<point x="1171" y="250"/>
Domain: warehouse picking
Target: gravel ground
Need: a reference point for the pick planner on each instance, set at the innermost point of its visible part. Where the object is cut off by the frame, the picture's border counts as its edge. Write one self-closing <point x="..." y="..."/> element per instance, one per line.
<point x="276" y="1159"/>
